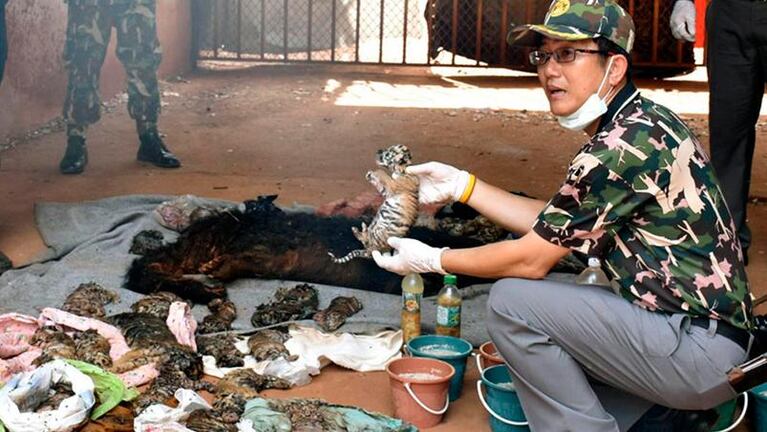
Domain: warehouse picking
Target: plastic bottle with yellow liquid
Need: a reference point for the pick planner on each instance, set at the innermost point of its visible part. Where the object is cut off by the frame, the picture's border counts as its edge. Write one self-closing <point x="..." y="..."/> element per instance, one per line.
<point x="449" y="308"/>
<point x="412" y="292"/>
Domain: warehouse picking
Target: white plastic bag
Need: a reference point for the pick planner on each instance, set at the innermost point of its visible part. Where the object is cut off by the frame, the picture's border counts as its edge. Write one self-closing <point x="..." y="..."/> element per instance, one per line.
<point x="164" y="418"/>
<point x="27" y="390"/>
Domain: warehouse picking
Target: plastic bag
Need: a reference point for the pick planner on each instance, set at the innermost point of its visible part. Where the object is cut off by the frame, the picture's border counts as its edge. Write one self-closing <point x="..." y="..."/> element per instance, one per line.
<point x="164" y="418"/>
<point x="108" y="386"/>
<point x="25" y="391"/>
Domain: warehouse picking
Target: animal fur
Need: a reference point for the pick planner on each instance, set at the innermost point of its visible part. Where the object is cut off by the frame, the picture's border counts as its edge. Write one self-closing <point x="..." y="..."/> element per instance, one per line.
<point x="290" y="304"/>
<point x="222" y="348"/>
<point x="151" y="341"/>
<point x="338" y="311"/>
<point x="88" y="300"/>
<point x="223" y="314"/>
<point x="93" y="348"/>
<point x="399" y="210"/>
<point x="269" y="345"/>
<point x="157" y="304"/>
<point x="265" y="242"/>
<point x="54" y="343"/>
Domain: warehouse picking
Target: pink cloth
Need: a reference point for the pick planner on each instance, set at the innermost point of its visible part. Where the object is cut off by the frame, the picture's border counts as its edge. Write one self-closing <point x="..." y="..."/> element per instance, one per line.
<point x="117" y="345"/>
<point x="15" y="331"/>
<point x="139" y="376"/>
<point x="20" y="363"/>
<point x="182" y="324"/>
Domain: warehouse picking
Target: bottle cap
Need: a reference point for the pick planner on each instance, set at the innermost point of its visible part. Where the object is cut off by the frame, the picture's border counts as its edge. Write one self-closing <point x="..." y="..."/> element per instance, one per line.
<point x="594" y="262"/>
<point x="450" y="279"/>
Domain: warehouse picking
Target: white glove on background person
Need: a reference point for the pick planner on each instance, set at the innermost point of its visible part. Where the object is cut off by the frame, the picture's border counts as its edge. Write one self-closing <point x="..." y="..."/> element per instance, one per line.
<point x="439" y="183"/>
<point x="410" y="256"/>
<point x="683" y="20"/>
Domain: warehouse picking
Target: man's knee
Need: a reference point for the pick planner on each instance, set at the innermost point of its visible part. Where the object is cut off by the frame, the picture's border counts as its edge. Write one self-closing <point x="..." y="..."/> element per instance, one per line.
<point x="509" y="298"/>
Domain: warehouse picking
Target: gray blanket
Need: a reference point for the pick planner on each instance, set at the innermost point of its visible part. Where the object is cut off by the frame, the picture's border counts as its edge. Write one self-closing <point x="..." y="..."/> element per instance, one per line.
<point x="89" y="242"/>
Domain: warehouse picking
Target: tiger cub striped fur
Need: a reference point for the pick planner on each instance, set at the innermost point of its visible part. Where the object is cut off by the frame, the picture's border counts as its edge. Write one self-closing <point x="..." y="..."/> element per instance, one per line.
<point x="399" y="210"/>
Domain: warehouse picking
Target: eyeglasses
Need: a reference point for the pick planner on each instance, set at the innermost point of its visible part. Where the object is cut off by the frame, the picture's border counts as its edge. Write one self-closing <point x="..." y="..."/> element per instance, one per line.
<point x="560" y="55"/>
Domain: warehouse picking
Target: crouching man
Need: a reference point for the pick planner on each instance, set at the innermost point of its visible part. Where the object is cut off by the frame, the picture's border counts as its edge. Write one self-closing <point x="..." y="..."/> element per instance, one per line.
<point x="641" y="197"/>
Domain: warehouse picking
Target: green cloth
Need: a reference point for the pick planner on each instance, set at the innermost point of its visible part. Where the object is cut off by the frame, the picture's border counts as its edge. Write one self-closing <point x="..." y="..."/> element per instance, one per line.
<point x="266" y="418"/>
<point x="109" y="388"/>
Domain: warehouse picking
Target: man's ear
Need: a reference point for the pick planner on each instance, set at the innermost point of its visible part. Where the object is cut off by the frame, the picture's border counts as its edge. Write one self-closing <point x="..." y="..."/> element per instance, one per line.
<point x="618" y="69"/>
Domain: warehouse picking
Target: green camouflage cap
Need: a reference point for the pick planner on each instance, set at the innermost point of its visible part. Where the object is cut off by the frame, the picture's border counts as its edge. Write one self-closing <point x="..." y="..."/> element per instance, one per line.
<point x="579" y="20"/>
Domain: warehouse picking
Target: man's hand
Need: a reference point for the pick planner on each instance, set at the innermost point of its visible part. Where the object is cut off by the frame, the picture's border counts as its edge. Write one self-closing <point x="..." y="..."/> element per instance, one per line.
<point x="439" y="183"/>
<point x="683" y="20"/>
<point x="410" y="256"/>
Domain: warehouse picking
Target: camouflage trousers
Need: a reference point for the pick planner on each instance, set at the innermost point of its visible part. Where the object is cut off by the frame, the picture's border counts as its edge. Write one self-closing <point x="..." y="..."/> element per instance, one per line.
<point x="89" y="28"/>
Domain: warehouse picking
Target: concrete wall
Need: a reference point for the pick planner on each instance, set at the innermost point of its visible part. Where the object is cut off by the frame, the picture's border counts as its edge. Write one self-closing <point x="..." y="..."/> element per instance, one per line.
<point x="32" y="91"/>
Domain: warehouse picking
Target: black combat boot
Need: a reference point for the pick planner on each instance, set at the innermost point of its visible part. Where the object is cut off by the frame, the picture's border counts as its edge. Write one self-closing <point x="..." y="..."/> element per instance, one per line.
<point x="75" y="157"/>
<point x="5" y="263"/>
<point x="663" y="419"/>
<point x="153" y="150"/>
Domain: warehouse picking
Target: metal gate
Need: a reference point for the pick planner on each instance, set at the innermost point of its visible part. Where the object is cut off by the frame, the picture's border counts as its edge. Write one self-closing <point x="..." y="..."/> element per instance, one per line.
<point x="404" y="32"/>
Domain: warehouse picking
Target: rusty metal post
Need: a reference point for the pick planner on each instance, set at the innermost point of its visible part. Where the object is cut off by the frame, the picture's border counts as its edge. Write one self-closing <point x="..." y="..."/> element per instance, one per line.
<point x="263" y="29"/>
<point x="309" y="33"/>
<point x="478" y="47"/>
<point x="285" y="29"/>
<point x="333" y="32"/>
<point x="381" y="33"/>
<point x="357" y="35"/>
<point x="239" y="29"/>
<point x="504" y="30"/>
<point x="454" y="31"/>
<point x="655" y="16"/>
<point x="215" y="28"/>
<point x="404" y="36"/>
<point x="429" y="28"/>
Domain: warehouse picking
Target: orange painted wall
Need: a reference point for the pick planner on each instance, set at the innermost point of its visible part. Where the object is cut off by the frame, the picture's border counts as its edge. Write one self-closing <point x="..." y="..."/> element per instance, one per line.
<point x="32" y="91"/>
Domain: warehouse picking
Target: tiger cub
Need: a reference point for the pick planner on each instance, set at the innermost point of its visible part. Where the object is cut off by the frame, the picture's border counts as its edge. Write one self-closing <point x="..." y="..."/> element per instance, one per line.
<point x="399" y="210"/>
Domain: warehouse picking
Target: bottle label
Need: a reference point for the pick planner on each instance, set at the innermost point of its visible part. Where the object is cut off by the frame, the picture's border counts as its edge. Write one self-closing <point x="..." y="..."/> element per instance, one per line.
<point x="411" y="302"/>
<point x="449" y="316"/>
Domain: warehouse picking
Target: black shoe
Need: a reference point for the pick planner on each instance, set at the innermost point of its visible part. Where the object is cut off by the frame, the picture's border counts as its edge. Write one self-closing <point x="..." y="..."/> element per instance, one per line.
<point x="153" y="150"/>
<point x="663" y="419"/>
<point x="75" y="157"/>
<point x="5" y="263"/>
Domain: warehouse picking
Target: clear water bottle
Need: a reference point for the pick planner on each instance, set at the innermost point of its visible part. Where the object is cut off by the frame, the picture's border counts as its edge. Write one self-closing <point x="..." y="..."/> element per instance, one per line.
<point x="593" y="274"/>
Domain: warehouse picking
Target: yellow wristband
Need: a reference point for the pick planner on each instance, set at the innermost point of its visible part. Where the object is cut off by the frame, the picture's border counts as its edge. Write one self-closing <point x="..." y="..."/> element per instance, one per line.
<point x="469" y="189"/>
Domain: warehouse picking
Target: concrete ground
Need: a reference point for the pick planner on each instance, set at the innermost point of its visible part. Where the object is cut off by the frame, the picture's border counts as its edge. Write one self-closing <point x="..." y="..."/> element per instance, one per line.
<point x="309" y="133"/>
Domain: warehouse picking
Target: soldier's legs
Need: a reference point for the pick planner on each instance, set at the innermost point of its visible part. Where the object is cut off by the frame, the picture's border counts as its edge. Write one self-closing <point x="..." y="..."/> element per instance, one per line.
<point x="558" y="338"/>
<point x="736" y="82"/>
<point x="139" y="51"/>
<point x="88" y="33"/>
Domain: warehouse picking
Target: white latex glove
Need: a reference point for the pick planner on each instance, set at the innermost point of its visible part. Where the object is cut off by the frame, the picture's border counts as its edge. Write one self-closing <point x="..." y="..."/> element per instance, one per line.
<point x="683" y="20"/>
<point x="439" y="183"/>
<point x="410" y="256"/>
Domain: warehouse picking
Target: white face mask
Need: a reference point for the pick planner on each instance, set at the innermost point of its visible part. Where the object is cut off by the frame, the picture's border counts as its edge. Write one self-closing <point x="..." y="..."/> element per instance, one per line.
<point x="591" y="110"/>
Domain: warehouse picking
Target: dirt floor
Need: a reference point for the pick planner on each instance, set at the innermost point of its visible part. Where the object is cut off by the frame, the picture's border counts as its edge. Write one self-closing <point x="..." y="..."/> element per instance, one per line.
<point x="309" y="133"/>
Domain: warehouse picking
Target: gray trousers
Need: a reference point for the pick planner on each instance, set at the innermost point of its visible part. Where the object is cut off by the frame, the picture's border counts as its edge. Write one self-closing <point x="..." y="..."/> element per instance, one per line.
<point x="585" y="359"/>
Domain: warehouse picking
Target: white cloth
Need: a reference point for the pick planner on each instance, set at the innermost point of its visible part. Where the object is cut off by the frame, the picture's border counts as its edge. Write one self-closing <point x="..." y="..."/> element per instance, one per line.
<point x="315" y="350"/>
<point x="361" y="353"/>
<point x="30" y="386"/>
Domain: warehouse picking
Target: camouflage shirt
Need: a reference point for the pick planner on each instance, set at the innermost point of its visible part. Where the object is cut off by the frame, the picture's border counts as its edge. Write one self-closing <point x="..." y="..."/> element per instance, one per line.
<point x="642" y="196"/>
